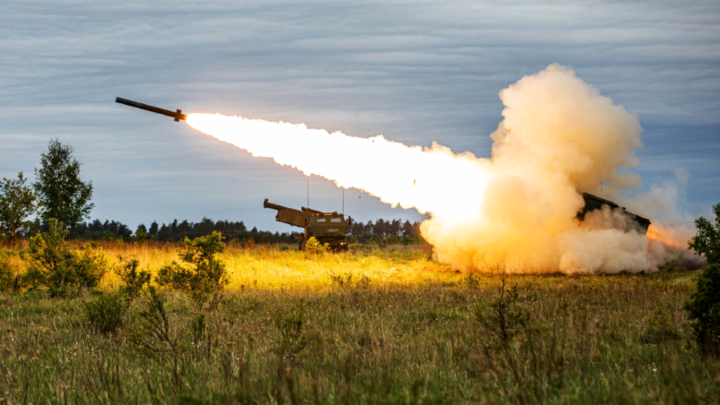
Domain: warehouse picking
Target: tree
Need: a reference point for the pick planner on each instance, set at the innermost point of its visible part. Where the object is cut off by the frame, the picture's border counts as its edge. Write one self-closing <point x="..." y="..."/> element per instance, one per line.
<point x="141" y="233"/>
<point x="17" y="202"/>
<point x="63" y="195"/>
<point x="703" y="309"/>
<point x="407" y="229"/>
<point x="707" y="241"/>
<point x="153" y="232"/>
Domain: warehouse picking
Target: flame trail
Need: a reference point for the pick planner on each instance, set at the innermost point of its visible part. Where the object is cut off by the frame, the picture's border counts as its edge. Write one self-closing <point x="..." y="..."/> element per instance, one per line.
<point x="409" y="176"/>
<point x="559" y="137"/>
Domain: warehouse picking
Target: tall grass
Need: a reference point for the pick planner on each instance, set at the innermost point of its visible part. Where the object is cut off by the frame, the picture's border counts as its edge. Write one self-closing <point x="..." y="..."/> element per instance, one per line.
<point x="288" y="332"/>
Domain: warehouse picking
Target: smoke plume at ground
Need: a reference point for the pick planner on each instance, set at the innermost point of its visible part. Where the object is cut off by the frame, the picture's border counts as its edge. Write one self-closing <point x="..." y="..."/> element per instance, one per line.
<point x="516" y="211"/>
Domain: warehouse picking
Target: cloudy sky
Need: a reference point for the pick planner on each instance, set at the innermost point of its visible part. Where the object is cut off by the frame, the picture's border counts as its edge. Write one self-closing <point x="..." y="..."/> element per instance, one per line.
<point x="414" y="71"/>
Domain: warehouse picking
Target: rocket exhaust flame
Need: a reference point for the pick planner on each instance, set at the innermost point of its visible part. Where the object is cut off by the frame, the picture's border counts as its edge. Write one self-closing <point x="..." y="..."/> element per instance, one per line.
<point x="559" y="137"/>
<point x="409" y="176"/>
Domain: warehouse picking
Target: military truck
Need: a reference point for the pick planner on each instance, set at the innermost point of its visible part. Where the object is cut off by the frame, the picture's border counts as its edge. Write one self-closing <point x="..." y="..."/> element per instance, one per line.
<point x="326" y="227"/>
<point x="593" y="202"/>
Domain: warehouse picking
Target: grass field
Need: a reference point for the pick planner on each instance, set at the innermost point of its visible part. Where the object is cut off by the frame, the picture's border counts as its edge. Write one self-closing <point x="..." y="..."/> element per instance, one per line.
<point x="374" y="326"/>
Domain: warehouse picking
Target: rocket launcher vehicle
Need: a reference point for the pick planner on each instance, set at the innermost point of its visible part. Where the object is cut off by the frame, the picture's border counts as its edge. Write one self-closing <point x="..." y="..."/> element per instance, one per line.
<point x="326" y="227"/>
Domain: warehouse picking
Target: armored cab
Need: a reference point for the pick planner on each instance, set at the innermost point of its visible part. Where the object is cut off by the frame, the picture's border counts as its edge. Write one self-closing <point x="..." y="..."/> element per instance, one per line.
<point x="593" y="203"/>
<point x="326" y="227"/>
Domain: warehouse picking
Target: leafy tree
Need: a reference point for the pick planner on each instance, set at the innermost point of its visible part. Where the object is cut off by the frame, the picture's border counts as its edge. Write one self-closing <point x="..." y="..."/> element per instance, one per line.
<point x="707" y="241"/>
<point x="141" y="233"/>
<point x="704" y="309"/>
<point x="17" y="202"/>
<point x="53" y="264"/>
<point x="63" y="195"/>
<point x="200" y="271"/>
<point x="407" y="229"/>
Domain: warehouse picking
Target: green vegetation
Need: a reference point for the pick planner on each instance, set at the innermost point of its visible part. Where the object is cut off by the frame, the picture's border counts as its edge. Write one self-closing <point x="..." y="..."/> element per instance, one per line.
<point x="201" y="271"/>
<point x="707" y="240"/>
<point x="313" y="247"/>
<point x="133" y="279"/>
<point x="704" y="309"/>
<point x="53" y="264"/>
<point x="17" y="203"/>
<point x="356" y="334"/>
<point x="63" y="195"/>
<point x="251" y="323"/>
<point x="105" y="314"/>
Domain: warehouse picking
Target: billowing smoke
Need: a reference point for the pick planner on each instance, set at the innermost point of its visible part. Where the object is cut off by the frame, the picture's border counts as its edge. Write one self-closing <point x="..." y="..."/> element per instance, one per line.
<point x="515" y="211"/>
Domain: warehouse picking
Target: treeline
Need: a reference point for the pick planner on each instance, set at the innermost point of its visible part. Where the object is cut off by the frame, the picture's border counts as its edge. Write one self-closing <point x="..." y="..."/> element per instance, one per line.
<point x="178" y="231"/>
<point x="381" y="231"/>
<point x="59" y="194"/>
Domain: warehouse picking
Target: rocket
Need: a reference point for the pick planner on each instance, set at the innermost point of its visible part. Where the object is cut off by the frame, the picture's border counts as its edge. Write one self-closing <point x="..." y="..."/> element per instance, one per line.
<point x="178" y="115"/>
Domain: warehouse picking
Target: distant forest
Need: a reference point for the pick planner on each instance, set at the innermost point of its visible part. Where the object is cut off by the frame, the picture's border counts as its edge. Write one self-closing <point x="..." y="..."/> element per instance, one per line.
<point x="395" y="231"/>
<point x="59" y="194"/>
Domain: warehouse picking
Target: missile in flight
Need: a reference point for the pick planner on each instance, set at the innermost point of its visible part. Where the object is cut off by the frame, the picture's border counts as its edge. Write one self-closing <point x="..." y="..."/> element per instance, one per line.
<point x="178" y="115"/>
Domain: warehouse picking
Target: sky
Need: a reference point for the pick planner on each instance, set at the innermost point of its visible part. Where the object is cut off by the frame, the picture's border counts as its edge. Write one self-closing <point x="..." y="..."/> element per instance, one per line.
<point x="413" y="71"/>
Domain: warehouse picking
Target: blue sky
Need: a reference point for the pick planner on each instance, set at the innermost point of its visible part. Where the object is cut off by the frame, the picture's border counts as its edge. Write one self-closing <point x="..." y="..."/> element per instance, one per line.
<point x="414" y="71"/>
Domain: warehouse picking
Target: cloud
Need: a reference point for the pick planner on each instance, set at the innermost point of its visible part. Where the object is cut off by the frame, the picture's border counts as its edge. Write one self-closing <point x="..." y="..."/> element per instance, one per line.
<point x="413" y="71"/>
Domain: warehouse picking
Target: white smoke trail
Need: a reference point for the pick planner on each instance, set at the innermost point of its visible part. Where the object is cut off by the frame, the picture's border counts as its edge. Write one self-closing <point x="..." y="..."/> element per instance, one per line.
<point x="409" y="176"/>
<point x="559" y="137"/>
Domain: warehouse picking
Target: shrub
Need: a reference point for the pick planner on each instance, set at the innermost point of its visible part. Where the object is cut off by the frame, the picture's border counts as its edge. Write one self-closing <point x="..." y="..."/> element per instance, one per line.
<point x="707" y="241"/>
<point x="89" y="267"/>
<point x="504" y="317"/>
<point x="342" y="281"/>
<point x="134" y="280"/>
<point x="704" y="310"/>
<point x="472" y="280"/>
<point x="105" y="314"/>
<point x="200" y="271"/>
<point x="312" y="246"/>
<point x="150" y="333"/>
<point x="53" y="264"/>
<point x="10" y="278"/>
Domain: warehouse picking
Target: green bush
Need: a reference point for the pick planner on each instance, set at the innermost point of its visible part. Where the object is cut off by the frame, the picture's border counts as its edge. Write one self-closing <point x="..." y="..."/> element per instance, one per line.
<point x="472" y="280"/>
<point x="105" y="314"/>
<point x="312" y="246"/>
<point x="704" y="310"/>
<point x="133" y="278"/>
<point x="54" y="265"/>
<point x="707" y="241"/>
<point x="200" y="271"/>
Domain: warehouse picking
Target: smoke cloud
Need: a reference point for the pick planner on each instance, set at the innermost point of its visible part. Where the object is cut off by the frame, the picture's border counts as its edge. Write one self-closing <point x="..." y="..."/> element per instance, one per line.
<point x="516" y="211"/>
